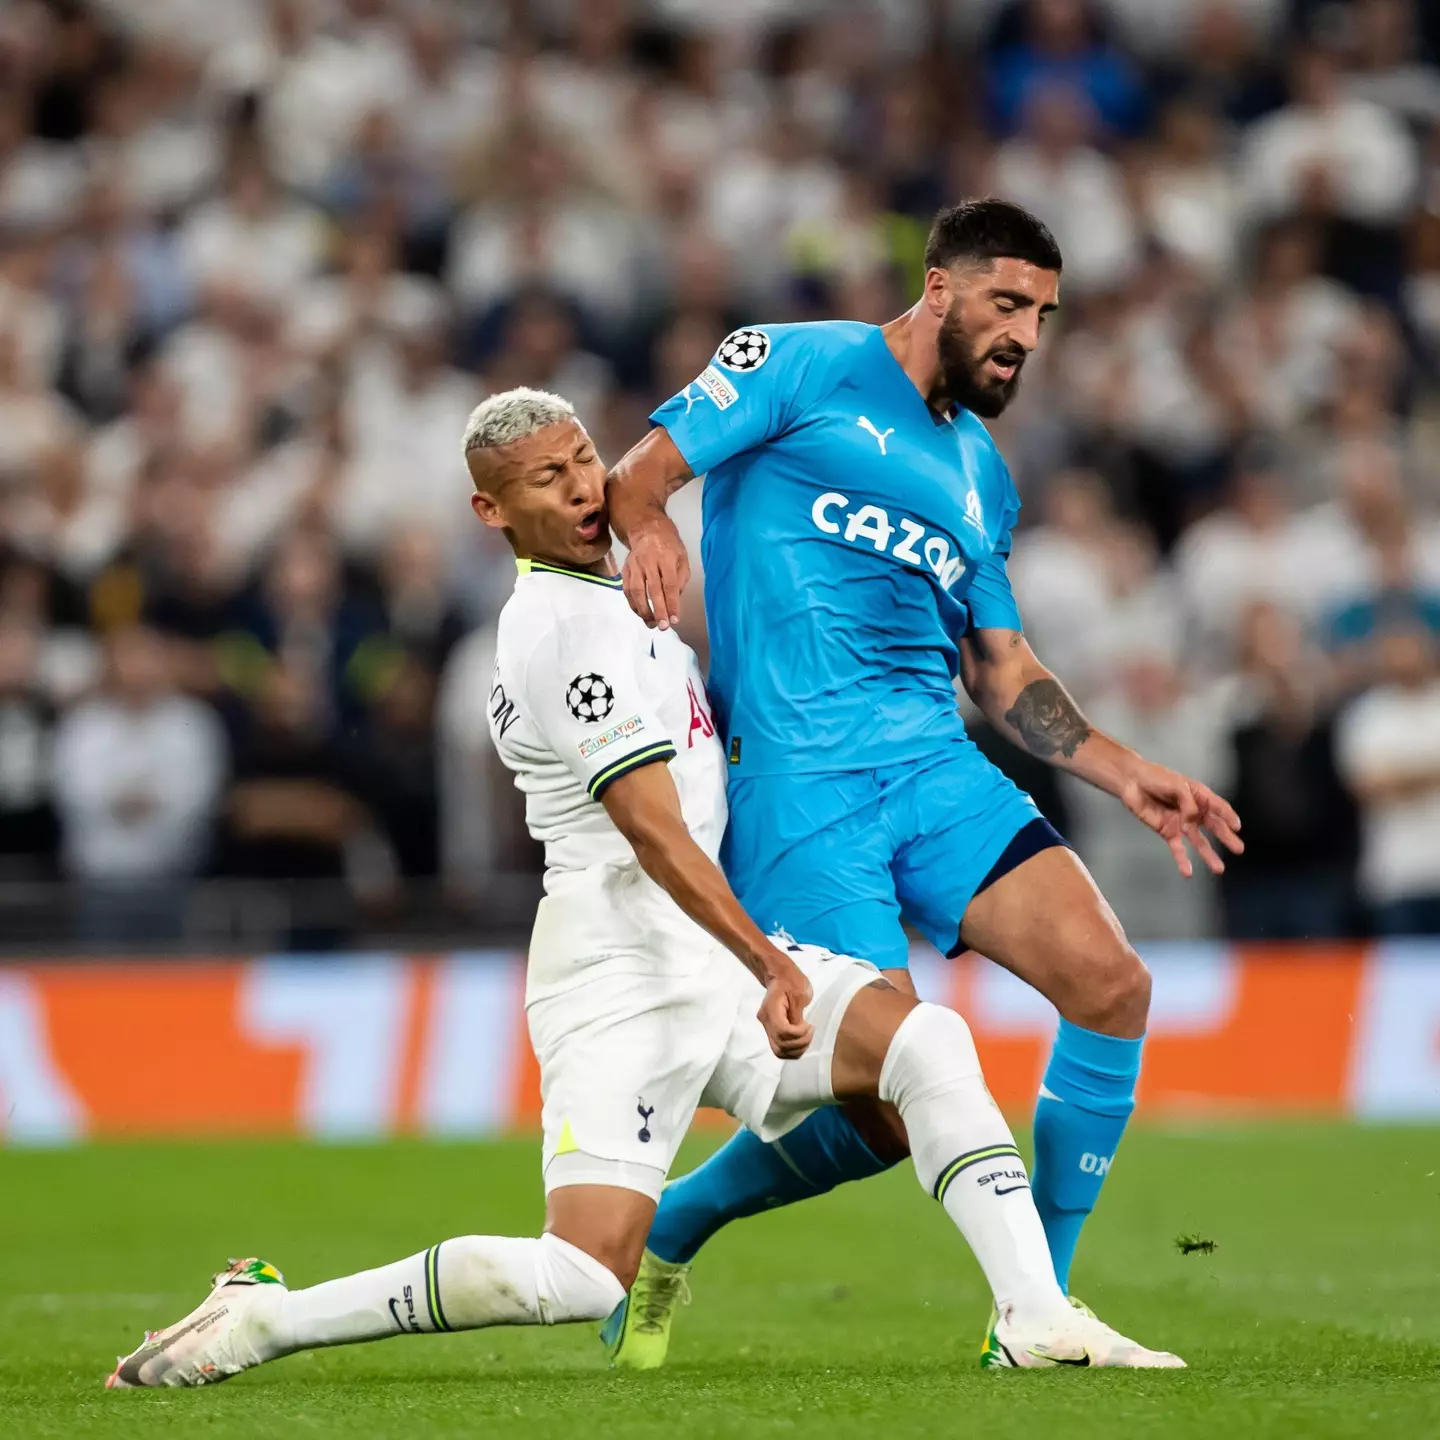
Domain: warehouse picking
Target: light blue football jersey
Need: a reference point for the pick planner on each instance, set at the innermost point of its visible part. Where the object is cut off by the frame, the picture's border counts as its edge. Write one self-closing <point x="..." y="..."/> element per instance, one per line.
<point x="851" y="537"/>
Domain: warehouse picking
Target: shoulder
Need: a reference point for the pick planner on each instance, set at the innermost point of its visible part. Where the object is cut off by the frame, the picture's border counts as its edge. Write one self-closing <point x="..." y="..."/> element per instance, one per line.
<point x="526" y="618"/>
<point x="546" y="609"/>
<point x="752" y="347"/>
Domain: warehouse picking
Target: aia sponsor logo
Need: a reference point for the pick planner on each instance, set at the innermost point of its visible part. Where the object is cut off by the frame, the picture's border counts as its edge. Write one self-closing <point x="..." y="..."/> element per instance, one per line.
<point x="701" y="721"/>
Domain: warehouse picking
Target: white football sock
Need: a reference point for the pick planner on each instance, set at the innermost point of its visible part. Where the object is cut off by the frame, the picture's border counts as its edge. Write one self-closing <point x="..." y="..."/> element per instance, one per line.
<point x="461" y="1284"/>
<point x="965" y="1156"/>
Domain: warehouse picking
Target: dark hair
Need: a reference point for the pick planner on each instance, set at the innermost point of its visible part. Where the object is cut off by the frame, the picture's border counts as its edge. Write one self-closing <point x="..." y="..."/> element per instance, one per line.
<point x="990" y="230"/>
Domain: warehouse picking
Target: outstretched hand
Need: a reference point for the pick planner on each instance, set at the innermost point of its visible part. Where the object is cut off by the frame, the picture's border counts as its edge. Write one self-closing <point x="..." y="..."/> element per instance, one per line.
<point x="782" y="1011"/>
<point x="1179" y="809"/>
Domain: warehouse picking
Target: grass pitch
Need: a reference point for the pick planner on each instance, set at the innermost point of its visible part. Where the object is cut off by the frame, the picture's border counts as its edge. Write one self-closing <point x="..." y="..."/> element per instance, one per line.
<point x="1317" y="1313"/>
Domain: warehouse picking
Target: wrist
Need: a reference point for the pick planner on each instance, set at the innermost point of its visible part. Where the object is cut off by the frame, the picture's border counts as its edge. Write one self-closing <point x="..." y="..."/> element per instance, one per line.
<point x="1106" y="763"/>
<point x="766" y="962"/>
<point x="652" y="520"/>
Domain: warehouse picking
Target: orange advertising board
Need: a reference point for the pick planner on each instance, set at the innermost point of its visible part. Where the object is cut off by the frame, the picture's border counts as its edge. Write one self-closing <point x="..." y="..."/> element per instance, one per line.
<point x="385" y="1044"/>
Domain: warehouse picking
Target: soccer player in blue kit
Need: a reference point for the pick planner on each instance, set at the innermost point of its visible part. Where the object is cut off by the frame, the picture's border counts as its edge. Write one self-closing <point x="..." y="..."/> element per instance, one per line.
<point x="857" y="521"/>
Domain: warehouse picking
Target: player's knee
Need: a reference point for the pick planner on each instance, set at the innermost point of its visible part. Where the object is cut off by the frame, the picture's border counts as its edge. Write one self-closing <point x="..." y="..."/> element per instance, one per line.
<point x="932" y="1051"/>
<point x="575" y="1285"/>
<point x="1111" y="993"/>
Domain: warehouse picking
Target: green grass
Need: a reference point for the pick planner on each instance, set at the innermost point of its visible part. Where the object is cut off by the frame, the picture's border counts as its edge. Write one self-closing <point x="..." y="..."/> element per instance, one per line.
<point x="1318" y="1314"/>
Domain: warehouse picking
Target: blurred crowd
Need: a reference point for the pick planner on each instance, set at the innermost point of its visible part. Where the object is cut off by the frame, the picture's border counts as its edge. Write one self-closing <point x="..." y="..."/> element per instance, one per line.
<point x="259" y="259"/>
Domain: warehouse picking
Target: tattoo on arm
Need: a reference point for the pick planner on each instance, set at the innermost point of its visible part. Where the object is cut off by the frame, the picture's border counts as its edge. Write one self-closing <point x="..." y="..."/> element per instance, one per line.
<point x="1047" y="720"/>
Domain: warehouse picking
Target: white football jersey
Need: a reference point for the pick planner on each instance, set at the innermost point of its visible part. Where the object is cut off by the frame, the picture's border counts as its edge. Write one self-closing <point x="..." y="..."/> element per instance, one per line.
<point x="584" y="693"/>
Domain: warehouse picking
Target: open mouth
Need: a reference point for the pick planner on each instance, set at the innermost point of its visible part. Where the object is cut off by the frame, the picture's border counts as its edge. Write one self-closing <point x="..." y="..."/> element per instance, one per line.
<point x="592" y="524"/>
<point x="1005" y="366"/>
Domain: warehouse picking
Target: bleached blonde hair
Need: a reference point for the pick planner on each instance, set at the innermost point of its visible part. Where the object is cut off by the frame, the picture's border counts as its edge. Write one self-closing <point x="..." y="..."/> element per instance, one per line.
<point x="514" y="415"/>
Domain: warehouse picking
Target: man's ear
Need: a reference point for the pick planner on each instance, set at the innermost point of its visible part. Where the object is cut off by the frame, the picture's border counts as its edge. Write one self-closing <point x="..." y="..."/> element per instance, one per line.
<point x="486" y="507"/>
<point x="937" y="291"/>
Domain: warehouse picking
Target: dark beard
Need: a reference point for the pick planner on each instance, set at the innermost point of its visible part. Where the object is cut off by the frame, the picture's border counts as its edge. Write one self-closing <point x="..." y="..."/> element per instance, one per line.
<point x="966" y="381"/>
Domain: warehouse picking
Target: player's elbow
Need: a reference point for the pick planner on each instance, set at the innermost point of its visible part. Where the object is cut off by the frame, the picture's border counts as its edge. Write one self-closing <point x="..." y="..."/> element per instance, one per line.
<point x="643" y="479"/>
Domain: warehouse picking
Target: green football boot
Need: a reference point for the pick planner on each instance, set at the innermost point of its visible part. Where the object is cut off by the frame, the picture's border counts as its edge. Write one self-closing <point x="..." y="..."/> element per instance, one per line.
<point x="637" y="1334"/>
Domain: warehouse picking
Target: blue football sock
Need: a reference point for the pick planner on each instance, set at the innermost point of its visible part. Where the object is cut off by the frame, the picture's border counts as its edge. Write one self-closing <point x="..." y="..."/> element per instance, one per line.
<point x="1085" y="1099"/>
<point x="745" y="1176"/>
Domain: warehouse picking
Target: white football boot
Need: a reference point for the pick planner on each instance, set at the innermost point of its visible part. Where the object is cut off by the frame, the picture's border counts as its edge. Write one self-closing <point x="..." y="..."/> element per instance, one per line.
<point x="1078" y="1339"/>
<point x="229" y="1331"/>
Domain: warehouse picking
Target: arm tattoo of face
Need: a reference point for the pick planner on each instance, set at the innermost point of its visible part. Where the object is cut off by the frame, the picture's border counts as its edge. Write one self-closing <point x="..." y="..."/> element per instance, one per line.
<point x="1047" y="720"/>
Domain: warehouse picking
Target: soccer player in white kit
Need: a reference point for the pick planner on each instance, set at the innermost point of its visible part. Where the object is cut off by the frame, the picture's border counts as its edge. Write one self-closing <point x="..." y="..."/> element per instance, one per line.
<point x="637" y="1008"/>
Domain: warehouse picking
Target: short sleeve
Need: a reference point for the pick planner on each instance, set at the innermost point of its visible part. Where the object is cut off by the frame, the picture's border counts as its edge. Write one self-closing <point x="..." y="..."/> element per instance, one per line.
<point x="990" y="600"/>
<point x="755" y="387"/>
<point x="583" y="694"/>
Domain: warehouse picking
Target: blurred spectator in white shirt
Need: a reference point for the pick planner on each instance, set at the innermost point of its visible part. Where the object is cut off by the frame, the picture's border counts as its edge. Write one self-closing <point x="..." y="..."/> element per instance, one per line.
<point x="404" y="406"/>
<point x="1278" y="335"/>
<point x="40" y="182"/>
<point x="451" y="87"/>
<point x="145" y="139"/>
<point x="138" y="774"/>
<point x="1333" y="549"/>
<point x="33" y="418"/>
<point x="781" y="182"/>
<point x="1052" y="170"/>
<point x="1190" y="198"/>
<point x="1384" y="67"/>
<point x="29" y="310"/>
<point x="1328" y="154"/>
<point x="232" y="366"/>
<point x="1389" y="749"/>
<point x="1057" y="570"/>
<point x="540" y="217"/>
<point x="1235" y="556"/>
<point x="317" y="81"/>
<point x="251" y="235"/>
<point x="1151" y="707"/>
<point x="62" y="520"/>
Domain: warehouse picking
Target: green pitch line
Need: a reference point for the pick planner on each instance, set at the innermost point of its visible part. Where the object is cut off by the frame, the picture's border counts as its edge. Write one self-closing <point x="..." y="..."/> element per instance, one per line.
<point x="1316" y="1314"/>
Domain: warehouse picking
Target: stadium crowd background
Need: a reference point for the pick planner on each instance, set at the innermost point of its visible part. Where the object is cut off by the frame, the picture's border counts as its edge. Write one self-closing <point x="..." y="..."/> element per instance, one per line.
<point x="259" y="259"/>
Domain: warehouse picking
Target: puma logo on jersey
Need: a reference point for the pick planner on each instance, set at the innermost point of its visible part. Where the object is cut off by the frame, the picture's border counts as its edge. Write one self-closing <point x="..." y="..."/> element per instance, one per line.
<point x="916" y="545"/>
<point x="881" y="436"/>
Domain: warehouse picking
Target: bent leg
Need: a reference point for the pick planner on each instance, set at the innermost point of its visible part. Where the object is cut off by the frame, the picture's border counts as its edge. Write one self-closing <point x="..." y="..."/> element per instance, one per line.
<point x="1047" y="922"/>
<point x="746" y="1176"/>
<point x="812" y="859"/>
<point x="921" y="1059"/>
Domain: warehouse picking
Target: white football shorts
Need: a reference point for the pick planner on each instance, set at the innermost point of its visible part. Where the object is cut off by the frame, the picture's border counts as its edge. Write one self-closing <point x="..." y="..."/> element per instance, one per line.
<point x="637" y="1017"/>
